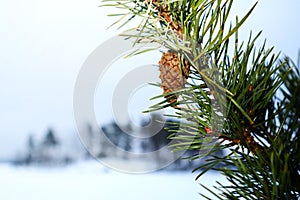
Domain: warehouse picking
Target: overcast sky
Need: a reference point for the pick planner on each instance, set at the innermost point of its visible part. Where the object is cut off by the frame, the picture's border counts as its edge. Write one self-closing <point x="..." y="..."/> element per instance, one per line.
<point x="43" y="44"/>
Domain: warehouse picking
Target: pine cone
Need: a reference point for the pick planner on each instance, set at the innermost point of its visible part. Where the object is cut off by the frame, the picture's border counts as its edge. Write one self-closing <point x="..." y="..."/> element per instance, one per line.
<point x="173" y="76"/>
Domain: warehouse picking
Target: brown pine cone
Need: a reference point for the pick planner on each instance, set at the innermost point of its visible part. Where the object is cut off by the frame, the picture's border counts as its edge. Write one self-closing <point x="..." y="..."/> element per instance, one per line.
<point x="172" y="74"/>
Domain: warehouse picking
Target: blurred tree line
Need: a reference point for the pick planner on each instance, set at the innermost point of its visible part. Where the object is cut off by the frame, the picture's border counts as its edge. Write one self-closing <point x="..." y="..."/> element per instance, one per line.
<point x="47" y="151"/>
<point x="100" y="142"/>
<point x="149" y="137"/>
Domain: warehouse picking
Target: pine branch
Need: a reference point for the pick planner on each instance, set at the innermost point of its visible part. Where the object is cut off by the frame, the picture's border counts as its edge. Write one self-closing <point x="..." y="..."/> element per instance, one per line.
<point x="227" y="100"/>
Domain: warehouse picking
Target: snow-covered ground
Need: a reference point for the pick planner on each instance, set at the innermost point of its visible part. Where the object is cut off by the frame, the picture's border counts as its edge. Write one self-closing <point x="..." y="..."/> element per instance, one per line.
<point x="91" y="181"/>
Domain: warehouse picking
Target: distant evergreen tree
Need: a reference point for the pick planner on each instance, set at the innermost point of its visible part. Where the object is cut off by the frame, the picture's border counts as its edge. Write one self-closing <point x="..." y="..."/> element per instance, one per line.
<point x="30" y="149"/>
<point x="30" y="142"/>
<point x="50" y="138"/>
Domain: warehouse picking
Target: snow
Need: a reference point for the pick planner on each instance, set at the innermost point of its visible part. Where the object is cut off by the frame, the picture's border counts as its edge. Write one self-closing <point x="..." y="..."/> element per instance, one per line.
<point x="89" y="180"/>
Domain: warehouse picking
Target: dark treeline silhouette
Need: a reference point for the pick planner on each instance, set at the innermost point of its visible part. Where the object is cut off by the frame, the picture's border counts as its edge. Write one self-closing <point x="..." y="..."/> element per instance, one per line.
<point x="47" y="151"/>
<point x="101" y="142"/>
<point x="150" y="137"/>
